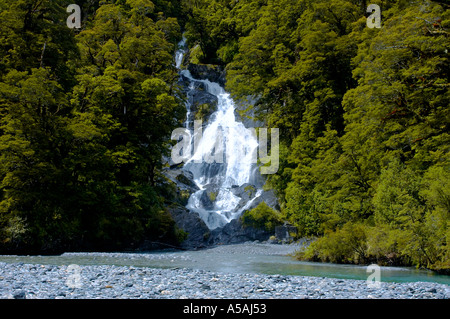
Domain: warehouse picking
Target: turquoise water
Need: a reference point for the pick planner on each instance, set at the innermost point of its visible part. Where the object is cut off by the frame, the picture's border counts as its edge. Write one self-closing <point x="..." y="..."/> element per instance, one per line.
<point x="233" y="262"/>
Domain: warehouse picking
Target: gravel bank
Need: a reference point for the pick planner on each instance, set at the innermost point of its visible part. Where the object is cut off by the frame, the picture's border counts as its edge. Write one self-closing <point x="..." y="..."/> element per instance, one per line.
<point x="18" y="280"/>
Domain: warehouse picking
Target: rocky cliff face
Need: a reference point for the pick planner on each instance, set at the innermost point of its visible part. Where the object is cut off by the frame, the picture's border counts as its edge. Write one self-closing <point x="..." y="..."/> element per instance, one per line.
<point x="213" y="73"/>
<point x="202" y="106"/>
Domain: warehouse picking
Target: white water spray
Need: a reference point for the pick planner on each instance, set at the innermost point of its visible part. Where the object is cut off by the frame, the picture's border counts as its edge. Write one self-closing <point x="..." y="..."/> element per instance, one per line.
<point x="215" y="202"/>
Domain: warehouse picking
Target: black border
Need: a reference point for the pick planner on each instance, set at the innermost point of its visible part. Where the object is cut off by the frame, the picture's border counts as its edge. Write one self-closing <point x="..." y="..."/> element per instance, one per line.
<point x="173" y="308"/>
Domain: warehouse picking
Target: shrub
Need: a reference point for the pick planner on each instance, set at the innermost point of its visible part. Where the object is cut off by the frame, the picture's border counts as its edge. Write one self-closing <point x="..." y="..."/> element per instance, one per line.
<point x="196" y="55"/>
<point x="345" y="245"/>
<point x="262" y="216"/>
<point x="385" y="245"/>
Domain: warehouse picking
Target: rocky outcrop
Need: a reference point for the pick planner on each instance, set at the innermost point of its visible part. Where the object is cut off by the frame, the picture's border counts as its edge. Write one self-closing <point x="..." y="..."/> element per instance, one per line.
<point x="235" y="232"/>
<point x="246" y="114"/>
<point x="193" y="225"/>
<point x="189" y="222"/>
<point x="198" y="234"/>
<point x="269" y="198"/>
<point x="286" y="232"/>
<point x="209" y="196"/>
<point x="202" y="103"/>
<point x="183" y="179"/>
<point x="247" y="191"/>
<point x="213" y="73"/>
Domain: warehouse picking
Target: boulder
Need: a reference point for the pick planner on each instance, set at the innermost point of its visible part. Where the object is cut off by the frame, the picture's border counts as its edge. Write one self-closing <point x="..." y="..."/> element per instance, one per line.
<point x="193" y="225"/>
<point x="245" y="191"/>
<point x="203" y="105"/>
<point x="234" y="232"/>
<point x="182" y="178"/>
<point x="206" y="202"/>
<point x="183" y="181"/>
<point x="208" y="196"/>
<point x="269" y="198"/>
<point x="285" y="232"/>
<point x="248" y="191"/>
<point x="203" y="97"/>
<point x="184" y="83"/>
<point x="187" y="179"/>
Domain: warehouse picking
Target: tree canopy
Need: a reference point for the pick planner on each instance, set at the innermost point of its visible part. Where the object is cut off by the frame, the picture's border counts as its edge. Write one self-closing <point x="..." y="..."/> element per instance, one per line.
<point x="85" y="118"/>
<point x="363" y="115"/>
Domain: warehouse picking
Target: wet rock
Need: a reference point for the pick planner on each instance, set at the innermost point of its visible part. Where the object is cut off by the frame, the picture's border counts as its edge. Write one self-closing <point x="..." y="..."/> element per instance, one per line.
<point x="184" y="184"/>
<point x="245" y="191"/>
<point x="213" y="73"/>
<point x="187" y="179"/>
<point x="269" y="198"/>
<point x="183" y="179"/>
<point x="208" y="196"/>
<point x="202" y="104"/>
<point x="183" y="83"/>
<point x="200" y="98"/>
<point x="206" y="201"/>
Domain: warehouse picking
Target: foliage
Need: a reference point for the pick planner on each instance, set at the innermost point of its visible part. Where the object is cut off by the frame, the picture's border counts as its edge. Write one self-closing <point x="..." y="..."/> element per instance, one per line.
<point x="363" y="116"/>
<point x="345" y="245"/>
<point x="262" y="217"/>
<point x="84" y="122"/>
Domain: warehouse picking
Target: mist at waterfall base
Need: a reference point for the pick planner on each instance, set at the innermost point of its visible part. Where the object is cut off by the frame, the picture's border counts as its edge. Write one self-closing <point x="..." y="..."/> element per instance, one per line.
<point x="222" y="158"/>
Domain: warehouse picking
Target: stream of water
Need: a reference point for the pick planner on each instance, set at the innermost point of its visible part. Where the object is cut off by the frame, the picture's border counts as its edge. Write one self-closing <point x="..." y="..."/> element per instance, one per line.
<point x="223" y="158"/>
<point x="240" y="258"/>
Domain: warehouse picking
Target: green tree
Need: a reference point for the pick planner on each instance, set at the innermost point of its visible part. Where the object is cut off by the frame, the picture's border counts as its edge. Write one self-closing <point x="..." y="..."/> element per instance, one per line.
<point x="125" y="95"/>
<point x="85" y="118"/>
<point x="33" y="149"/>
<point x="34" y="34"/>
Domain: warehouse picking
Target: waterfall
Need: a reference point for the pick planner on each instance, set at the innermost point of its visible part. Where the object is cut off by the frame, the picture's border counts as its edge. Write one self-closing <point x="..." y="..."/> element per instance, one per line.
<point x="224" y="159"/>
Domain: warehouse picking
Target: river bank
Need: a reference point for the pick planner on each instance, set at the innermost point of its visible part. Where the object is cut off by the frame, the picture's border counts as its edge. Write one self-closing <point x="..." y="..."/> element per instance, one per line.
<point x="34" y="281"/>
<point x="228" y="271"/>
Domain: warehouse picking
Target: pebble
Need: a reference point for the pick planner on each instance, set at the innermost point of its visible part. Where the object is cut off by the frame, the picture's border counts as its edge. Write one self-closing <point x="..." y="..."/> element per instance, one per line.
<point x="25" y="281"/>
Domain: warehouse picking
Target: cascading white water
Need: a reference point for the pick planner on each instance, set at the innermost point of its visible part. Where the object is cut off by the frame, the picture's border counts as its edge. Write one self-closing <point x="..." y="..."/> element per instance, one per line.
<point x="180" y="53"/>
<point x="216" y="202"/>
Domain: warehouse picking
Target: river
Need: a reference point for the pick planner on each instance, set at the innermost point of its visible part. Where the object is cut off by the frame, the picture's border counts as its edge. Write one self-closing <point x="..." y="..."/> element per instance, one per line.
<point x="254" y="258"/>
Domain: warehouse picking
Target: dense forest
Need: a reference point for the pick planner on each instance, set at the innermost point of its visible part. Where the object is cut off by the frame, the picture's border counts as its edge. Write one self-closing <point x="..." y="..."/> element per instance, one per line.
<point x="363" y="114"/>
<point x="86" y="116"/>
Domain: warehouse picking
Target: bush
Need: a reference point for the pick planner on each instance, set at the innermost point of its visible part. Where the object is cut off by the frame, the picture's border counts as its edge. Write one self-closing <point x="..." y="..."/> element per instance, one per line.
<point x="196" y="55"/>
<point x="385" y="245"/>
<point x="345" y="245"/>
<point x="262" y="217"/>
<point x="416" y="245"/>
<point x="412" y="214"/>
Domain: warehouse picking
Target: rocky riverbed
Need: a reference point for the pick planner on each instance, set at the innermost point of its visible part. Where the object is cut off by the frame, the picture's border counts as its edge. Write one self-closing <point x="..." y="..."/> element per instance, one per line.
<point x="34" y="281"/>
